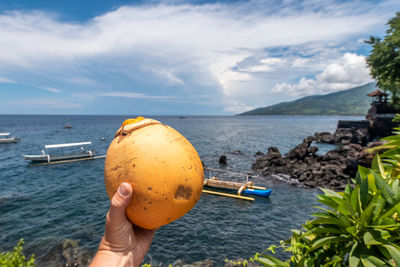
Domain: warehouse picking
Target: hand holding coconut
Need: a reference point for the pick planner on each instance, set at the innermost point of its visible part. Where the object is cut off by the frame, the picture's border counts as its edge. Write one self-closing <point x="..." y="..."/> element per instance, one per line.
<point x="154" y="176"/>
<point x="122" y="244"/>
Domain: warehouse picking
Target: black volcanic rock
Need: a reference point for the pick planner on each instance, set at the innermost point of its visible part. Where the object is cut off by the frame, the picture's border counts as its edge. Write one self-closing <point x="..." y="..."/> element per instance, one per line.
<point x="332" y="170"/>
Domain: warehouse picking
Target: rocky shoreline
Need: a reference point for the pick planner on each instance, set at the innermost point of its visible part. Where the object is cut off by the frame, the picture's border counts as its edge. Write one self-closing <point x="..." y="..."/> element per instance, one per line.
<point x="303" y="166"/>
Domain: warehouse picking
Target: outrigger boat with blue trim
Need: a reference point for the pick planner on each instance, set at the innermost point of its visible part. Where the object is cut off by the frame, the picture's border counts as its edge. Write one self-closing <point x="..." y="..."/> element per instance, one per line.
<point x="6" y="139"/>
<point x="47" y="158"/>
<point x="241" y="189"/>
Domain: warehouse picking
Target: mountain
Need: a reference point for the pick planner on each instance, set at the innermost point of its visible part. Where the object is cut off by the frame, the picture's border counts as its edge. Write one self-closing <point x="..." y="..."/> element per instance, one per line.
<point x="353" y="101"/>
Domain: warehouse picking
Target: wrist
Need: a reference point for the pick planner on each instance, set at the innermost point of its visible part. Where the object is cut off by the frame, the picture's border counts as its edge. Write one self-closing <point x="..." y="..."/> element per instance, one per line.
<point x="111" y="258"/>
<point x="110" y="254"/>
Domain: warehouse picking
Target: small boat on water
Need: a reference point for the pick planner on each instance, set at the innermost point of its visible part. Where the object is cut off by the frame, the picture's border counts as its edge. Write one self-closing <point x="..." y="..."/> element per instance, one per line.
<point x="238" y="190"/>
<point x="47" y="157"/>
<point x="5" y="138"/>
<point x="247" y="188"/>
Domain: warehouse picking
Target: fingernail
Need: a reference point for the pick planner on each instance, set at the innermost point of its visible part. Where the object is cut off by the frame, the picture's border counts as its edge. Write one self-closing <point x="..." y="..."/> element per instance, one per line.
<point x="123" y="191"/>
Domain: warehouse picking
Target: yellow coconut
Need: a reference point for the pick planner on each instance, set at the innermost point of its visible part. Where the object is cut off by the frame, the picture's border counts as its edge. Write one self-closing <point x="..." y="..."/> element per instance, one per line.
<point x="163" y="168"/>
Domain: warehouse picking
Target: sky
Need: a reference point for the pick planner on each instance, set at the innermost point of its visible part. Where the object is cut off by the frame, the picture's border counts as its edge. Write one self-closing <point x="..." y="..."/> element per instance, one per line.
<point x="180" y="57"/>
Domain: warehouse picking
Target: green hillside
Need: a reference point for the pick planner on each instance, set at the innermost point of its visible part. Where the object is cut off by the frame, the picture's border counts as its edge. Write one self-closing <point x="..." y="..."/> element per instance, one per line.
<point x="348" y="102"/>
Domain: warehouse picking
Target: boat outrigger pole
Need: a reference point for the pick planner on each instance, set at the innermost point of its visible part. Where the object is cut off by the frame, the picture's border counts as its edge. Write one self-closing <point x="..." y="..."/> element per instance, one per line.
<point x="228" y="195"/>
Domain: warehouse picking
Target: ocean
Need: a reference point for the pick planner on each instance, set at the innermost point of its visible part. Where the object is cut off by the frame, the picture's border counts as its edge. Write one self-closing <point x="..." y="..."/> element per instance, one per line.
<point x="61" y="206"/>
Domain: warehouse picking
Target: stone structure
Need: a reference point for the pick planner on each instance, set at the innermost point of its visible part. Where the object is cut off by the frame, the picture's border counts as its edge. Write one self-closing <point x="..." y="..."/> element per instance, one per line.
<point x="380" y="115"/>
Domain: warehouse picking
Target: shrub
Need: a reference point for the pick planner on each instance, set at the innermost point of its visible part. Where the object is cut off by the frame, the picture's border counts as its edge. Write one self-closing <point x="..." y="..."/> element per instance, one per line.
<point x="16" y="257"/>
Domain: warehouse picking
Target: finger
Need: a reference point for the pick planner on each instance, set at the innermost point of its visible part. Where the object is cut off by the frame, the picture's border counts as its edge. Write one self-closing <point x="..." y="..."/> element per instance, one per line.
<point x="119" y="202"/>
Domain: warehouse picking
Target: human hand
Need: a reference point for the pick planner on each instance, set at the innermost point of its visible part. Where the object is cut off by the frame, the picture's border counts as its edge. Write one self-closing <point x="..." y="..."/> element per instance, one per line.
<point x="123" y="244"/>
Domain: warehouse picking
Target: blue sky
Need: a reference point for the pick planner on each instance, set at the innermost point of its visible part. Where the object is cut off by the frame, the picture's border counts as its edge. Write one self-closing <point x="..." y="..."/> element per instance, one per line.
<point x="180" y="57"/>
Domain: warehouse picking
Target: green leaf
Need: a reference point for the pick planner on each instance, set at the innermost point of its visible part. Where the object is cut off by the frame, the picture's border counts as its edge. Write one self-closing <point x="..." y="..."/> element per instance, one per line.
<point x="330" y="193"/>
<point x="322" y="215"/>
<point x="344" y="221"/>
<point x="327" y="240"/>
<point x="394" y="253"/>
<point x="380" y="166"/>
<point x="347" y="190"/>
<point x="354" y="260"/>
<point x="374" y="165"/>
<point x="346" y="208"/>
<point x="352" y="230"/>
<point x="332" y="212"/>
<point x="390" y="212"/>
<point x="366" y="216"/>
<point x="322" y="230"/>
<point x="391" y="227"/>
<point x="269" y="260"/>
<point x="384" y="252"/>
<point x="391" y="138"/>
<point x="333" y="221"/>
<point x="390" y="161"/>
<point x="396" y="188"/>
<point x="371" y="183"/>
<point x="327" y="201"/>
<point x="380" y="203"/>
<point x="355" y="200"/>
<point x="362" y="173"/>
<point x="387" y="191"/>
<point x="367" y="263"/>
<point x="363" y="193"/>
<point x="371" y="261"/>
<point x="370" y="239"/>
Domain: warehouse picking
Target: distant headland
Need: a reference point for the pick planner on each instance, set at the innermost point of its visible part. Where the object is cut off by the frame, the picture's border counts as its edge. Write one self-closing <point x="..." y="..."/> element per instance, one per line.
<point x="352" y="101"/>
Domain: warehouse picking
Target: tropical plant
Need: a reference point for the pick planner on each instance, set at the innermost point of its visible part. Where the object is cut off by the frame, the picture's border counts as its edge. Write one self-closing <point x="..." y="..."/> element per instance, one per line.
<point x="384" y="60"/>
<point x="357" y="227"/>
<point x="16" y="258"/>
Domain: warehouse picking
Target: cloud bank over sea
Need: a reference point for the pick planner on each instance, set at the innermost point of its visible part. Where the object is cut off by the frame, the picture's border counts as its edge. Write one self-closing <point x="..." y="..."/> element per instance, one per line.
<point x="185" y="57"/>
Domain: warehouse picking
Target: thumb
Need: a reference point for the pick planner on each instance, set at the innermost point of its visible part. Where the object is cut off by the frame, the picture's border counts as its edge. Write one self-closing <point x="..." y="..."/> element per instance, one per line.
<point x="119" y="202"/>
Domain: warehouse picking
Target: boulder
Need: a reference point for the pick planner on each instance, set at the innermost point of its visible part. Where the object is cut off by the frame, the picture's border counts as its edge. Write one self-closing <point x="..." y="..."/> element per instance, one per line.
<point x="273" y="153"/>
<point x="299" y="152"/>
<point x="332" y="155"/>
<point x="326" y="137"/>
<point x="312" y="150"/>
<point x="259" y="153"/>
<point x="223" y="160"/>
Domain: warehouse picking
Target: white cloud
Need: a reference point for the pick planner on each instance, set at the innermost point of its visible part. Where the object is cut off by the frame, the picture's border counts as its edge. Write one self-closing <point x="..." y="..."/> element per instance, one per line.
<point x="175" y="42"/>
<point x="237" y="107"/>
<point x="347" y="72"/>
<point x="169" y="76"/>
<point x="135" y="95"/>
<point x="266" y="65"/>
<point x="51" y="89"/>
<point x="5" y="80"/>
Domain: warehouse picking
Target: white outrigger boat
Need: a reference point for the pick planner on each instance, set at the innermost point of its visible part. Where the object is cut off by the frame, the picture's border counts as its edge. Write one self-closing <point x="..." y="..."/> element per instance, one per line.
<point x="6" y="139"/>
<point x="47" y="158"/>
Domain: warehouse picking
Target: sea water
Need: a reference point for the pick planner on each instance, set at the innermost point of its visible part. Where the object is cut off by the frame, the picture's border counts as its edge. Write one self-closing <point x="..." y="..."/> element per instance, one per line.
<point x="49" y="205"/>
